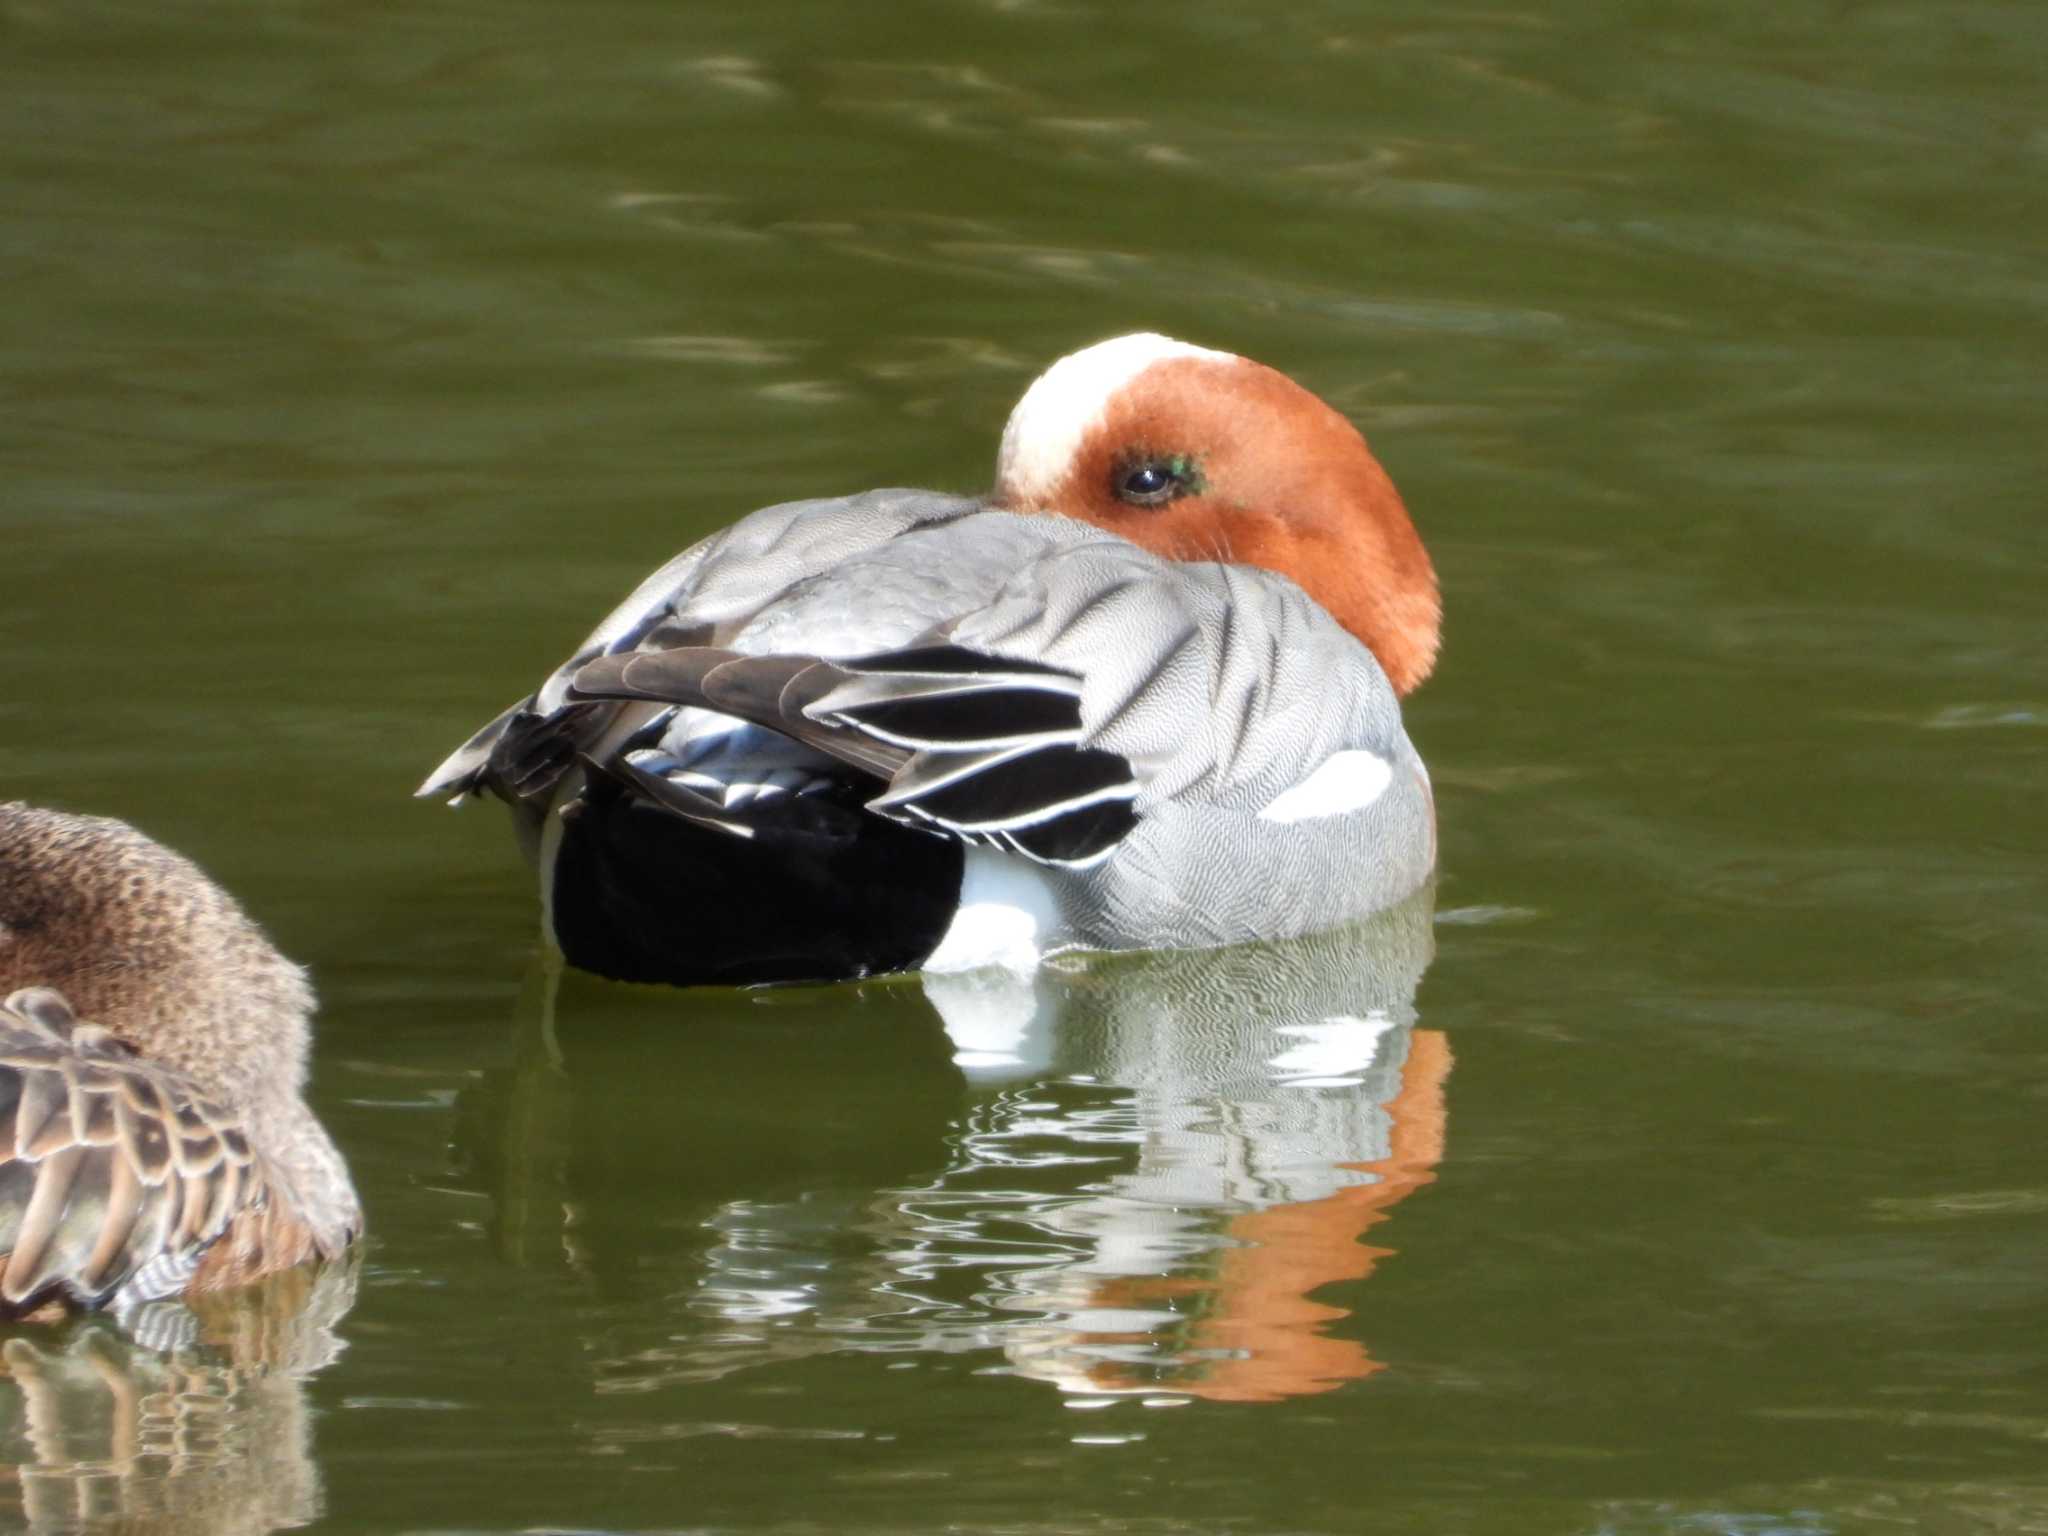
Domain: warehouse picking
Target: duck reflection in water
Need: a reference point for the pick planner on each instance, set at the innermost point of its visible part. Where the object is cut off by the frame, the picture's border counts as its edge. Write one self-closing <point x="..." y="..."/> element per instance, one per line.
<point x="1279" y="1102"/>
<point x="1156" y="1162"/>
<point x="214" y="1437"/>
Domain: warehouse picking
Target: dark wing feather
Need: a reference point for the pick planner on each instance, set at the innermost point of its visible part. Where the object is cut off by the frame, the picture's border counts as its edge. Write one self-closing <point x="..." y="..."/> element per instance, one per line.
<point x="107" y="1162"/>
<point x="667" y="793"/>
<point x="775" y="691"/>
<point x="462" y="773"/>
<point x="1019" y="791"/>
<point x="969" y="718"/>
<point x="965" y="744"/>
<point x="959" y="659"/>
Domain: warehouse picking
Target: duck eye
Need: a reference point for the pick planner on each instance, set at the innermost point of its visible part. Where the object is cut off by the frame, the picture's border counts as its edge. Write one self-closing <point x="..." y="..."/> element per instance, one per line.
<point x="1153" y="482"/>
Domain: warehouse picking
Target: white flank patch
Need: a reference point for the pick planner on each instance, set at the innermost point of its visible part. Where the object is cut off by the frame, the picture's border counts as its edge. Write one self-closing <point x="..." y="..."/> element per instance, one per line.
<point x="1046" y="429"/>
<point x="1006" y="914"/>
<point x="1346" y="781"/>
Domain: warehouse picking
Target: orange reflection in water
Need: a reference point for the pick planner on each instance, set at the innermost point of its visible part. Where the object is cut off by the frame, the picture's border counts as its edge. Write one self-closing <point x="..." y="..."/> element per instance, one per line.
<point x="1259" y="1337"/>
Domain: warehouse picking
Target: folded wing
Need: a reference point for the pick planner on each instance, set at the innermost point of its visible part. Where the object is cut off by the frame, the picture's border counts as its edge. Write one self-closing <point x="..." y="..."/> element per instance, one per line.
<point x="113" y="1172"/>
<point x="702" y="596"/>
<point x="955" y="741"/>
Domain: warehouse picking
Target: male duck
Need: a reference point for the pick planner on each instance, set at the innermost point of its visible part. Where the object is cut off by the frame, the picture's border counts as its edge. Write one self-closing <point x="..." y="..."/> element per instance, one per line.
<point x="163" y="1147"/>
<point x="1142" y="696"/>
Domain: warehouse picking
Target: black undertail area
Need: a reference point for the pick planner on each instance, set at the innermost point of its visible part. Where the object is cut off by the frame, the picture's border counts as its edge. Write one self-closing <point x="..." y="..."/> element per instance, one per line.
<point x="821" y="890"/>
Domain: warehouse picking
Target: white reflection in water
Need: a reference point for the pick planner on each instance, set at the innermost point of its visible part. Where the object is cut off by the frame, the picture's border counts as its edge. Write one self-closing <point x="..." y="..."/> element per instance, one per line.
<point x="1161" y="1159"/>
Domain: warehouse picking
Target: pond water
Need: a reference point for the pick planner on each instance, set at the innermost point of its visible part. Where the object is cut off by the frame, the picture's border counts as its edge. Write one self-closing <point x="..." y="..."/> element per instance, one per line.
<point x="1682" y="1170"/>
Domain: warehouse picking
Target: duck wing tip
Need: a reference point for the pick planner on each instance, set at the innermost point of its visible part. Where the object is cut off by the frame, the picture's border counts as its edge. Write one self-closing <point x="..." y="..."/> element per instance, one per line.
<point x="108" y="1165"/>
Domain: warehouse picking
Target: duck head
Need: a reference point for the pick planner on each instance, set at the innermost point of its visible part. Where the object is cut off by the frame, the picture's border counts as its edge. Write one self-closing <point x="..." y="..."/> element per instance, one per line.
<point x="139" y="940"/>
<point x="1201" y="455"/>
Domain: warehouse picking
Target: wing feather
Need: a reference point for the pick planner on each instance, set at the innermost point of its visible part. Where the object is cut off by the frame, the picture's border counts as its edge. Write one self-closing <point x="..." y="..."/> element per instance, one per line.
<point x="117" y="1226"/>
<point x="28" y="1263"/>
<point x="768" y="690"/>
<point x="40" y="1098"/>
<point x="965" y="744"/>
<point x="108" y="1164"/>
<point x="708" y="590"/>
<point x="679" y="798"/>
<point x="1020" y="791"/>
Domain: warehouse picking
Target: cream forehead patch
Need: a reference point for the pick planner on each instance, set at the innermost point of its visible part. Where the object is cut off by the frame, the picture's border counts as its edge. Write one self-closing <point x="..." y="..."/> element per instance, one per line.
<point x="1047" y="428"/>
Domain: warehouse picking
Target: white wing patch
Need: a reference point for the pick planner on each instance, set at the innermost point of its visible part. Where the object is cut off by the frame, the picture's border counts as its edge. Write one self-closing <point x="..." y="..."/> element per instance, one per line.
<point x="1345" y="781"/>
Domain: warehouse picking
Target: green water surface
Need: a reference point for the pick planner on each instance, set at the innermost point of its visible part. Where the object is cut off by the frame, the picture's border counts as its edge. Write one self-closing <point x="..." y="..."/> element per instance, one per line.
<point x="355" y="358"/>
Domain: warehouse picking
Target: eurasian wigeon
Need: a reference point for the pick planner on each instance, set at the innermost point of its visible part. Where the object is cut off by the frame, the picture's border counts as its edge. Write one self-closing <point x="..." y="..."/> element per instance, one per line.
<point x="1143" y="695"/>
